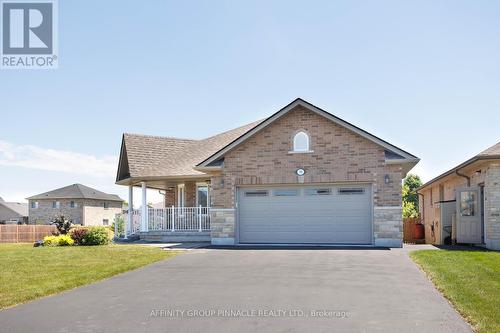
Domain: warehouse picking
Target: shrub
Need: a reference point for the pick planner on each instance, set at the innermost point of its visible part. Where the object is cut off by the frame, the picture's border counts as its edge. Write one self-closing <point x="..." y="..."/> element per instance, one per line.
<point x="61" y="240"/>
<point x="120" y="225"/>
<point x="96" y="236"/>
<point x="78" y="235"/>
<point x="62" y="224"/>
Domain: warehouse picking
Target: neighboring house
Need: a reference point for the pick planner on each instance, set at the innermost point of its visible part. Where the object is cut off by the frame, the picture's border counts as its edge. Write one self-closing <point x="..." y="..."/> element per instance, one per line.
<point x="80" y="203"/>
<point x="463" y="203"/>
<point x="13" y="212"/>
<point x="301" y="176"/>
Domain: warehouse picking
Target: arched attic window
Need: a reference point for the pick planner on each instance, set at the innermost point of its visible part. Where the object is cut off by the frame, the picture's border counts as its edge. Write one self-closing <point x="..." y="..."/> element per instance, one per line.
<point x="301" y="142"/>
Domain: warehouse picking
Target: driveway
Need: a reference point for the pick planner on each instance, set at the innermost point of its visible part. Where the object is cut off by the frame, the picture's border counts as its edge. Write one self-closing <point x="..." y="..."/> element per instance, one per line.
<point x="282" y="290"/>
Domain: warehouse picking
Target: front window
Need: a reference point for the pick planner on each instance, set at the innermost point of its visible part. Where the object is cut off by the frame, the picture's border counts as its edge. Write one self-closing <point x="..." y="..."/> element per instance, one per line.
<point x="301" y="142"/>
<point x="56" y="204"/>
<point x="105" y="222"/>
<point x="202" y="195"/>
<point x="106" y="205"/>
<point x="34" y="204"/>
<point x="72" y="204"/>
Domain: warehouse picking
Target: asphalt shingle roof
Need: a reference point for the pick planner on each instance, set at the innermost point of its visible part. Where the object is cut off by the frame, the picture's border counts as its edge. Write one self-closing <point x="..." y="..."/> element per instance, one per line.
<point x="20" y="208"/>
<point x="492" y="151"/>
<point x="76" y="191"/>
<point x="157" y="156"/>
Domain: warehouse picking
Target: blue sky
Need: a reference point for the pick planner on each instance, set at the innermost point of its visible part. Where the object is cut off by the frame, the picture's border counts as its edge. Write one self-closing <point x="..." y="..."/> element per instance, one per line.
<point x="423" y="75"/>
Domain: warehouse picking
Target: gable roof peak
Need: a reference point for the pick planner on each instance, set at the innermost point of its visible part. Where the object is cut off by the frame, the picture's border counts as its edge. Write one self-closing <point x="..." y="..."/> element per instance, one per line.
<point x="406" y="156"/>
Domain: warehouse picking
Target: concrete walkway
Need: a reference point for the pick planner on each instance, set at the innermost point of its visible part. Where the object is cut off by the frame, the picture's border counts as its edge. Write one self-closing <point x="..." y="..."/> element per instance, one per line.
<point x="251" y="290"/>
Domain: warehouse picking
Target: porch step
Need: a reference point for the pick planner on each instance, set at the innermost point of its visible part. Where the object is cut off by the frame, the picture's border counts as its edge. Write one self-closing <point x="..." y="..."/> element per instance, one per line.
<point x="177" y="236"/>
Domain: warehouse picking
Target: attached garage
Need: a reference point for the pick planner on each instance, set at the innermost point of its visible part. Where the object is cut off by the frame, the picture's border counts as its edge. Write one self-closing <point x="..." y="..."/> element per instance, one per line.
<point x="313" y="214"/>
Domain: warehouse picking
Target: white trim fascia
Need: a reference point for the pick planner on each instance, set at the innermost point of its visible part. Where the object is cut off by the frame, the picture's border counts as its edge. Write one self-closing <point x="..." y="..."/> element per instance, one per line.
<point x="222" y="209"/>
<point x="207" y="168"/>
<point x="320" y="112"/>
<point x="135" y="180"/>
<point x="402" y="161"/>
<point x="388" y="207"/>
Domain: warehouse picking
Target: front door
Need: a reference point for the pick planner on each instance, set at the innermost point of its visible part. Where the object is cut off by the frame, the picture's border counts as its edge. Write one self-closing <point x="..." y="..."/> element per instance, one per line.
<point x="469" y="215"/>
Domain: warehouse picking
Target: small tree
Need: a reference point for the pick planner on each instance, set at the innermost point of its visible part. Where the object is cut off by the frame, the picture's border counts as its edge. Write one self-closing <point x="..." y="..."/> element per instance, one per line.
<point x="119" y="226"/>
<point x="410" y="196"/>
<point x="62" y="224"/>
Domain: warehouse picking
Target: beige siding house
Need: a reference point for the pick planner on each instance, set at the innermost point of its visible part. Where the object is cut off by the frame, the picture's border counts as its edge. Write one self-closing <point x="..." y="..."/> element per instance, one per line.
<point x="300" y="176"/>
<point x="13" y="212"/>
<point x="82" y="204"/>
<point x="463" y="204"/>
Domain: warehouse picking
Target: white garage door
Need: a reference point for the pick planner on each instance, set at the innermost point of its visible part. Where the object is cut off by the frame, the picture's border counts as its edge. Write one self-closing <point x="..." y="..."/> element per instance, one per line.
<point x="325" y="214"/>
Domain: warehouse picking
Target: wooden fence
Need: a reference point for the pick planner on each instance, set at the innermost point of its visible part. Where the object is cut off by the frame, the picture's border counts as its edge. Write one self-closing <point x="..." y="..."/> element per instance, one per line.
<point x="24" y="233"/>
<point x="408" y="236"/>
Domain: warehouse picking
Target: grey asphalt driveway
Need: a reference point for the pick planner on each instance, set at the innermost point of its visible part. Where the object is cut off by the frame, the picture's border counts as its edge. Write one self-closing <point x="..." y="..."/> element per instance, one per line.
<point x="355" y="290"/>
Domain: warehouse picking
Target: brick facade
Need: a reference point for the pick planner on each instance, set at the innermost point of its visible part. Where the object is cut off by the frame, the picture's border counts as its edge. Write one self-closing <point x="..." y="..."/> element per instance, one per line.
<point x="492" y="207"/>
<point x="86" y="212"/>
<point x="485" y="174"/>
<point x="338" y="155"/>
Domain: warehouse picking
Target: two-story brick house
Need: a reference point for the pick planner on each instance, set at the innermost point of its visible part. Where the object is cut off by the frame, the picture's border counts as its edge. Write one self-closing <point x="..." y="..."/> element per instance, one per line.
<point x="80" y="203"/>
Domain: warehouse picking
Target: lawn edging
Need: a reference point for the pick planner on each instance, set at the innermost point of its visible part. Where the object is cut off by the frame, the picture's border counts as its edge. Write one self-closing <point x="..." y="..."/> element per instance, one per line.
<point x="468" y="280"/>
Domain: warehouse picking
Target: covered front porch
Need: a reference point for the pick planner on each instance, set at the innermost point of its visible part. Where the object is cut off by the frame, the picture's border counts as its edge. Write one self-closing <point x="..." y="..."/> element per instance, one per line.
<point x="184" y="215"/>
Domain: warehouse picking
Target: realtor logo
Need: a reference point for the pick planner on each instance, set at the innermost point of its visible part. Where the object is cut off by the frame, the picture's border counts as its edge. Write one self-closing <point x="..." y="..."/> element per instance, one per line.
<point x="29" y="38"/>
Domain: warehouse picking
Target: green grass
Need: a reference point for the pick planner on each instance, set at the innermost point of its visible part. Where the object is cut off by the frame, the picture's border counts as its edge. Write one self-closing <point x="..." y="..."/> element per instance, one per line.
<point x="470" y="280"/>
<point x="27" y="272"/>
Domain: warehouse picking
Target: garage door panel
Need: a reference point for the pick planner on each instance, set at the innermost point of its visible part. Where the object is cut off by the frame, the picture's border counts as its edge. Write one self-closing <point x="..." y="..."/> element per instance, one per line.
<point x="308" y="237"/>
<point x="303" y="218"/>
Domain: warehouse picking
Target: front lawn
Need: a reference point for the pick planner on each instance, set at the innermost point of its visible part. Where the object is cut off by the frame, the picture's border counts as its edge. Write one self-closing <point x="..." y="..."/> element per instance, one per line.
<point x="27" y="273"/>
<point x="470" y="280"/>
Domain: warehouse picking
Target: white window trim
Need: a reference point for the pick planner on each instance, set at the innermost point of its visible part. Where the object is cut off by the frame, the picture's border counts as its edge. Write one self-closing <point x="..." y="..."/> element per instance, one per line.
<point x="308" y="150"/>
<point x="179" y="201"/>
<point x="203" y="184"/>
<point x="301" y="152"/>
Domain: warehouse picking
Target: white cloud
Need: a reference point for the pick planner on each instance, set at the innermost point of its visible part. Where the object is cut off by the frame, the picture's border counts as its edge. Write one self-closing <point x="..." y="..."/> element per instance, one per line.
<point x="33" y="157"/>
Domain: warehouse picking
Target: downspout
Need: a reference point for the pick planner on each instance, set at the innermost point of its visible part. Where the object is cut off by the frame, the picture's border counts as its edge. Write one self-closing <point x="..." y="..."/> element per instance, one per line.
<point x="464" y="176"/>
<point x="423" y="208"/>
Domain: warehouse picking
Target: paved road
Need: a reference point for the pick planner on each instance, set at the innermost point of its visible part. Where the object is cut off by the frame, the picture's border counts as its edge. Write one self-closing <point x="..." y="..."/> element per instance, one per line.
<point x="356" y="290"/>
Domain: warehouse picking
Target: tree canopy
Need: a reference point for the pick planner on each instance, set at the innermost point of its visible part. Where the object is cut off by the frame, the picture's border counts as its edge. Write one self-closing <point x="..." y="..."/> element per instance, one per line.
<point x="410" y="196"/>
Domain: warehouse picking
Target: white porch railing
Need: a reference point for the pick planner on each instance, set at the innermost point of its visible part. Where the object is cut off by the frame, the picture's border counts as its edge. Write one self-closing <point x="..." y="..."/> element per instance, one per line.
<point x="171" y="219"/>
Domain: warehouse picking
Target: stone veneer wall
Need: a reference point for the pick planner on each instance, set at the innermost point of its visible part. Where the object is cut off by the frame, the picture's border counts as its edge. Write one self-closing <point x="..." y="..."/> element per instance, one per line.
<point x="222" y="225"/>
<point x="339" y="155"/>
<point x="492" y="207"/>
<point x="387" y="226"/>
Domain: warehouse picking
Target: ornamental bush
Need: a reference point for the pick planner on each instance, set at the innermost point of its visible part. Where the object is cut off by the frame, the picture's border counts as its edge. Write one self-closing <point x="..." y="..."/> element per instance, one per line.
<point x="62" y="224"/>
<point x="61" y="240"/>
<point x="78" y="235"/>
<point x="96" y="236"/>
